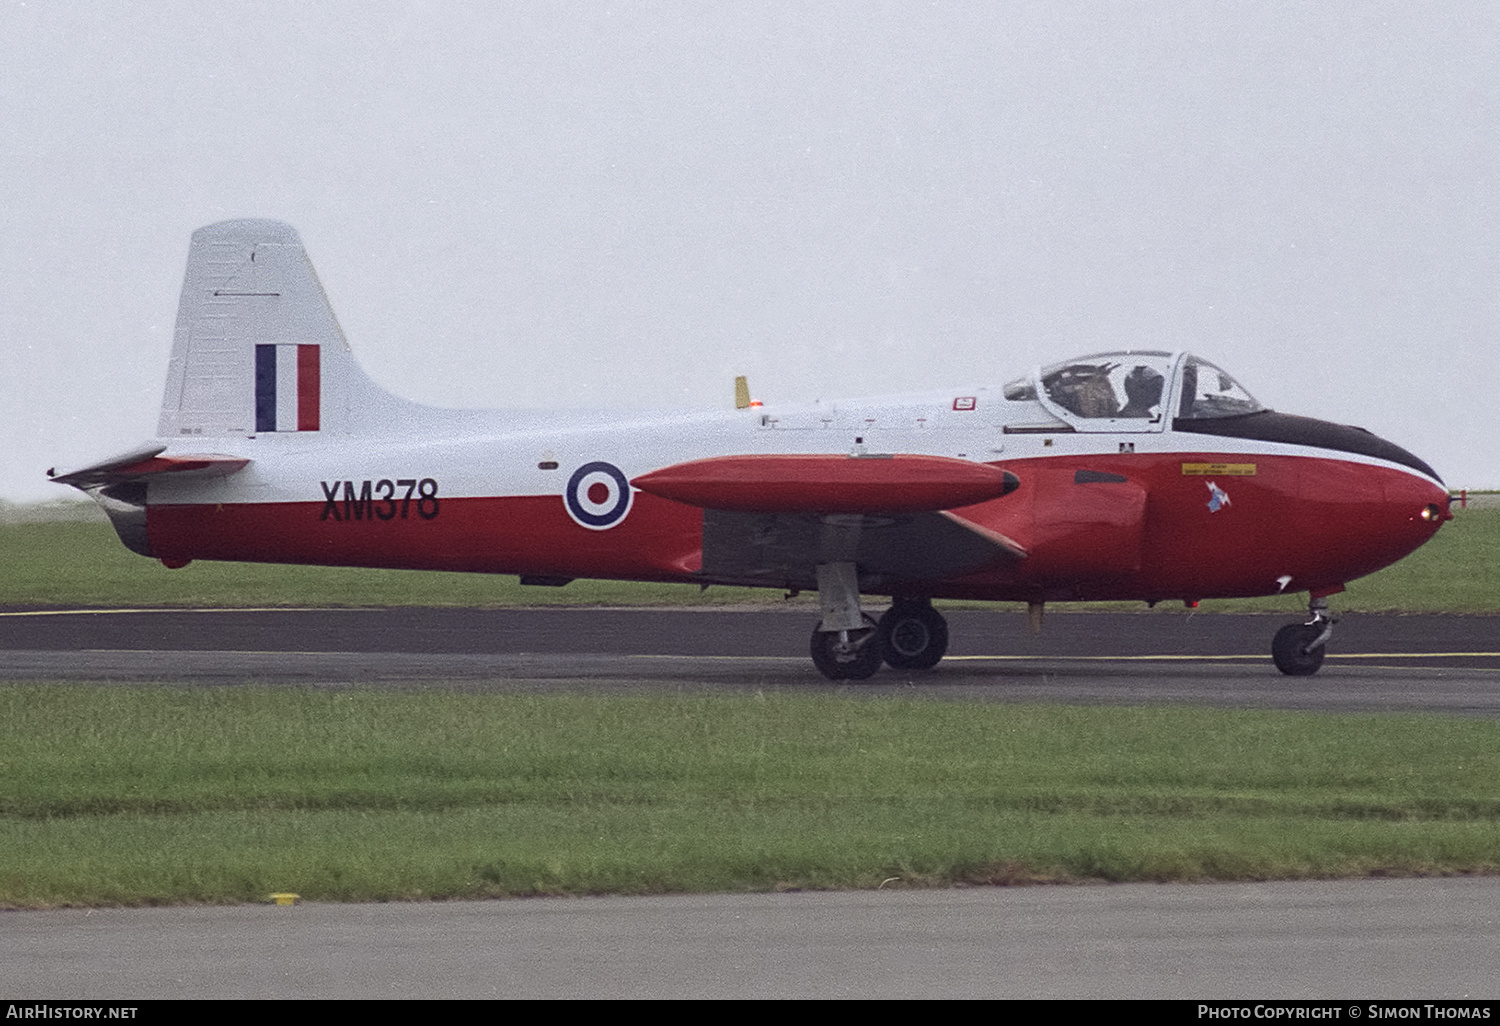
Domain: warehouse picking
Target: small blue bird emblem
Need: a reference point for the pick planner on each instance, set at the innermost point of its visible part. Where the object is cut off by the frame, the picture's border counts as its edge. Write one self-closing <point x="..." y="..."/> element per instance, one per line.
<point x="1217" y="498"/>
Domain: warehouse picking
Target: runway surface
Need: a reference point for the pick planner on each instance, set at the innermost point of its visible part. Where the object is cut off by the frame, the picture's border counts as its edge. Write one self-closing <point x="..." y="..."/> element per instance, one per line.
<point x="1350" y="940"/>
<point x="1384" y="662"/>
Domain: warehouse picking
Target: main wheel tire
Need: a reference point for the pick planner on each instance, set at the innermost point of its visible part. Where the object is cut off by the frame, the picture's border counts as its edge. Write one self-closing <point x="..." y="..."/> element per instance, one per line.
<point x="1290" y="652"/>
<point x="858" y="660"/>
<point x="913" y="636"/>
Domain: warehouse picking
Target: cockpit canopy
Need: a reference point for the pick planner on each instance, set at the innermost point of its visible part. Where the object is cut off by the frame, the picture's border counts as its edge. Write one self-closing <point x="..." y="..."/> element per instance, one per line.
<point x="1133" y="390"/>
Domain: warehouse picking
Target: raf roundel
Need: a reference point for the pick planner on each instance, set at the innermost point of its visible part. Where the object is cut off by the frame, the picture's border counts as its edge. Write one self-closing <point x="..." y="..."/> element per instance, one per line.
<point x="598" y="496"/>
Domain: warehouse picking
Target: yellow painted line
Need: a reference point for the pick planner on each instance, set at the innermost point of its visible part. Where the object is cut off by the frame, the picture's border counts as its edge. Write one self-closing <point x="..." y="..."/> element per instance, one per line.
<point x="1414" y="655"/>
<point x="801" y="659"/>
<point x="1096" y="659"/>
<point x="1196" y="658"/>
<point x="497" y="655"/>
<point x="225" y="652"/>
<point x="228" y="609"/>
<point x="694" y="658"/>
<point x="1456" y="669"/>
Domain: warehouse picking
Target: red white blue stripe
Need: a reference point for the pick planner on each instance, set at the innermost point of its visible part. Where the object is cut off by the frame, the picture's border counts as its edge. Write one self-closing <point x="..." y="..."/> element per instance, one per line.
<point x="288" y="387"/>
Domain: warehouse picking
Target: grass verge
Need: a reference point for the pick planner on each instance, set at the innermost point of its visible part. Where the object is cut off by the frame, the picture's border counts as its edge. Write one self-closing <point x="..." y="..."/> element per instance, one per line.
<point x="145" y="795"/>
<point x="84" y="564"/>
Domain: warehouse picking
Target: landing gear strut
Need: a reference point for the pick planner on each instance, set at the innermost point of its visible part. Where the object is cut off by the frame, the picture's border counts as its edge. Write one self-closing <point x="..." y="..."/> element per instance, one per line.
<point x="913" y="635"/>
<point x="846" y="644"/>
<point x="1298" y="648"/>
<point x="849" y="645"/>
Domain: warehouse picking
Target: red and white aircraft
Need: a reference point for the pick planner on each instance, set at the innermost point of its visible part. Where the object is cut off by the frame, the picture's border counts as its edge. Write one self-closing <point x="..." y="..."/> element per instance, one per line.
<point x="1128" y="475"/>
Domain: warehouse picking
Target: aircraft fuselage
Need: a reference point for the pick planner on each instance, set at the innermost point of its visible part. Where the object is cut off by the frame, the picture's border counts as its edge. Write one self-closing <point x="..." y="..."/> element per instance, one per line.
<point x="1172" y="518"/>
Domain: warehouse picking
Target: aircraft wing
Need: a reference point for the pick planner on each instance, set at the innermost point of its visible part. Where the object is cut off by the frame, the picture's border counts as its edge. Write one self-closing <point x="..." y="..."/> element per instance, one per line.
<point x="148" y="462"/>
<point x="784" y="549"/>
<point x="771" y="520"/>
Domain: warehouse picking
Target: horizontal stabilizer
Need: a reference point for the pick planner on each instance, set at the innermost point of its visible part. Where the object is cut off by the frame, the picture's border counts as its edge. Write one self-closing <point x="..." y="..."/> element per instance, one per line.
<point x="147" y="462"/>
<point x="829" y="484"/>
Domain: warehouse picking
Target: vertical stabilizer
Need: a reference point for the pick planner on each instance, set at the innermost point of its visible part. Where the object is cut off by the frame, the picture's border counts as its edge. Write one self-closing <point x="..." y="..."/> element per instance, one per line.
<point x="257" y="348"/>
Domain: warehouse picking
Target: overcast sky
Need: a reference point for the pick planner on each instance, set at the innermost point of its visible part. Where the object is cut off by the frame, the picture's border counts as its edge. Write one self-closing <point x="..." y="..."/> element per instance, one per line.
<point x="596" y="204"/>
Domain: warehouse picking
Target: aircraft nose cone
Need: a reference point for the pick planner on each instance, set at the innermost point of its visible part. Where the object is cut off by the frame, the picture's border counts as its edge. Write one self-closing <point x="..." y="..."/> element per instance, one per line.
<point x="1421" y="501"/>
<point x="1357" y="517"/>
<point x="1412" y="510"/>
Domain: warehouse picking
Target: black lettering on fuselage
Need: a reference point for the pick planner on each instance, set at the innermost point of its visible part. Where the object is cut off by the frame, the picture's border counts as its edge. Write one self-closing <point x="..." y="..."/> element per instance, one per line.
<point x="330" y="500"/>
<point x="355" y="509"/>
<point x="379" y="500"/>
<point x="389" y="498"/>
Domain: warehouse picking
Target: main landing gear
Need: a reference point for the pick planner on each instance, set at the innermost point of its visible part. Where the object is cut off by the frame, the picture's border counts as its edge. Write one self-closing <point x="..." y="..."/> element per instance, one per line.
<point x="849" y="645"/>
<point x="1298" y="648"/>
<point x="913" y="635"/>
<point x="846" y="654"/>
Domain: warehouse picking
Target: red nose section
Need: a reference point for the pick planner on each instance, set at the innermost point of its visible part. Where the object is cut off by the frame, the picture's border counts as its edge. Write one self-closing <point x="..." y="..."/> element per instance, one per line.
<point x="1365" y="518"/>
<point x="828" y="484"/>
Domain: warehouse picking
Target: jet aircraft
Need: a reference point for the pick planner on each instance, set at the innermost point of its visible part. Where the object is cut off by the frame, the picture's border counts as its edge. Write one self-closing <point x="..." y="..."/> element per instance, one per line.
<point x="1142" y="475"/>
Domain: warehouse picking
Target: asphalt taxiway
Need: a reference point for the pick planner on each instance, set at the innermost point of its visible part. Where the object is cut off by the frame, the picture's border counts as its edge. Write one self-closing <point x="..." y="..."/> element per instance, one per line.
<point x="1431" y="663"/>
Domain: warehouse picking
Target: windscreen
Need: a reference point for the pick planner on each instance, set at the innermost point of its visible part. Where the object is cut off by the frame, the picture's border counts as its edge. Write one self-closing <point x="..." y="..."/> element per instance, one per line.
<point x="1208" y="392"/>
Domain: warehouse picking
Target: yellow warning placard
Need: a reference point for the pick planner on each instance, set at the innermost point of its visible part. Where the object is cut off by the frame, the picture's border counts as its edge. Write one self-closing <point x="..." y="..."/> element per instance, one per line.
<point x="1218" y="469"/>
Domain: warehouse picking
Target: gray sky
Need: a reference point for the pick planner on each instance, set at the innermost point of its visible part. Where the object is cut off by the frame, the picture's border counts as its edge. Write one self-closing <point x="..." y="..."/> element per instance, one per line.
<point x="594" y="204"/>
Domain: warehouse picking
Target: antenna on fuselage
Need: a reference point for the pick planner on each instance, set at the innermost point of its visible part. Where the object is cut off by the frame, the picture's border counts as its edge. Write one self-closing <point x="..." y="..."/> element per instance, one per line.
<point x="742" y="400"/>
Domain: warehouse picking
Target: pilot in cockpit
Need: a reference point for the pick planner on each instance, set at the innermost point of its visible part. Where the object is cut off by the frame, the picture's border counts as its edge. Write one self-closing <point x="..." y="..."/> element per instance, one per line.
<point x="1143" y="387"/>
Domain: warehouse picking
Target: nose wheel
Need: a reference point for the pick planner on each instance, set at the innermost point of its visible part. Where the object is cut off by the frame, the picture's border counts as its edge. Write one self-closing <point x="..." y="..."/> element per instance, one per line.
<point x="913" y="634"/>
<point x="1298" y="648"/>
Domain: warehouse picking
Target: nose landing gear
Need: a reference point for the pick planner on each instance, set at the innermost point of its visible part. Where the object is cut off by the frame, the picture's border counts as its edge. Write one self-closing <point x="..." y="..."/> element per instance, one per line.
<point x="1298" y="648"/>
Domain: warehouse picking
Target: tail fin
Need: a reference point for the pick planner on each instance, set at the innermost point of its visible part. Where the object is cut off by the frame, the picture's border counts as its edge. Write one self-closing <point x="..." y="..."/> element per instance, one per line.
<point x="257" y="348"/>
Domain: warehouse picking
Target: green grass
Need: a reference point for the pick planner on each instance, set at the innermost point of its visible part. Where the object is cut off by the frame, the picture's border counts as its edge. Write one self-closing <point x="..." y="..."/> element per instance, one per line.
<point x="83" y="564"/>
<point x="137" y="795"/>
